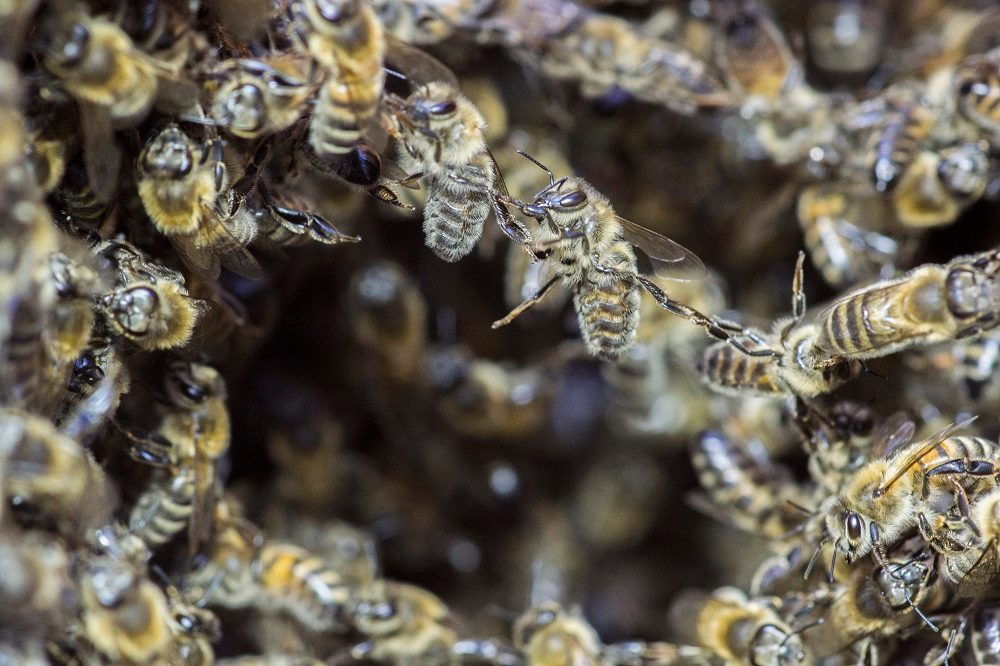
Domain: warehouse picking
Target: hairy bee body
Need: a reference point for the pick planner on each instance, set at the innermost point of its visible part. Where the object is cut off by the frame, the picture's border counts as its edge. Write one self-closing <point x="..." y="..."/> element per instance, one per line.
<point x="739" y="630"/>
<point x="294" y="580"/>
<point x="441" y="136"/>
<point x="887" y="496"/>
<point x="909" y="119"/>
<point x="347" y="40"/>
<point x="165" y="509"/>
<point x="932" y="303"/>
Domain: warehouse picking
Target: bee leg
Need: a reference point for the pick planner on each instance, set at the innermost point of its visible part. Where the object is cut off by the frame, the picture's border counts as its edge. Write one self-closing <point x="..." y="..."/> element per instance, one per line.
<point x="526" y="304"/>
<point x="798" y="299"/>
<point x="510" y="227"/>
<point x="154" y="450"/>
<point x="711" y="326"/>
<point x="386" y="194"/>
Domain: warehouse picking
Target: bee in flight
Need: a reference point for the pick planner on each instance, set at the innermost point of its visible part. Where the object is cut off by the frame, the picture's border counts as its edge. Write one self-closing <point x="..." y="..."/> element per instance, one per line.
<point x="591" y="249"/>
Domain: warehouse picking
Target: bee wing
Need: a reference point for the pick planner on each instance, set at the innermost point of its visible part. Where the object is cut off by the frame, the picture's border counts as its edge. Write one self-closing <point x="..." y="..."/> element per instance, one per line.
<point x="670" y="260"/>
<point x="416" y="65"/>
<point x="984" y="574"/>
<point x="920" y="449"/>
<point x="102" y="158"/>
<point x="200" y="260"/>
<point x="896" y="431"/>
<point x="203" y="502"/>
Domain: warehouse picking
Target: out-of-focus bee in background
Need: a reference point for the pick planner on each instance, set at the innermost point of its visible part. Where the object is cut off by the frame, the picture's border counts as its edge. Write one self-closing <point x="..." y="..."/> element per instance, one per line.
<point x="190" y="441"/>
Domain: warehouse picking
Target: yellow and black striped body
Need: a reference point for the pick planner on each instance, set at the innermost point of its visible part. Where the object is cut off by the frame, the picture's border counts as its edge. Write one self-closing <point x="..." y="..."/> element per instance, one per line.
<point x="292" y="579"/>
<point x="977" y="89"/>
<point x="608" y="307"/>
<point x="749" y="490"/>
<point x="164" y="510"/>
<point x="347" y="40"/>
<point x="909" y="120"/>
<point x="729" y="370"/>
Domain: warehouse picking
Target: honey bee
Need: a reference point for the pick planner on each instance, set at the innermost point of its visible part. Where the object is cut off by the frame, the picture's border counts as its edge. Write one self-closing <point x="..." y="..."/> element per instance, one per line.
<point x="970" y="551"/>
<point x="887" y="495"/>
<point x="194" y="630"/>
<point x="744" y="488"/>
<point x="114" y="84"/>
<point x="440" y="134"/>
<point x="71" y="319"/>
<point x="403" y="624"/>
<point x="932" y="303"/>
<point x="739" y="630"/>
<point x="780" y="363"/>
<point x="256" y="98"/>
<point x="195" y="435"/>
<point x="149" y="305"/>
<point x="938" y="185"/>
<point x="243" y="569"/>
<point x="125" y="616"/>
<point x="976" y="362"/>
<point x="549" y="635"/>
<point x="184" y="189"/>
<point x="485" y="399"/>
<point x="875" y="603"/>
<point x="976" y="84"/>
<point x="48" y="472"/>
<point x="346" y="38"/>
<point x="36" y="582"/>
<point x="592" y="250"/>
<point x="844" y="252"/>
<point x="602" y="52"/>
<point x="389" y="317"/>
<point x="846" y="40"/>
<point x="753" y="52"/>
<point x="908" y="117"/>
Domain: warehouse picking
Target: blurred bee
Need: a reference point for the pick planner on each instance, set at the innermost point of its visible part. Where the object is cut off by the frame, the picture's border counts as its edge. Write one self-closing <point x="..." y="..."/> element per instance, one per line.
<point x="389" y="317"/>
<point x="932" y="303"/>
<point x="780" y="363"/>
<point x="36" y="582"/>
<point x="984" y="636"/>
<point x="403" y="624"/>
<point x="194" y="630"/>
<point x="970" y="550"/>
<point x="976" y="84"/>
<point x="907" y="118"/>
<point x="938" y="185"/>
<point x="486" y="399"/>
<point x="184" y="187"/>
<point x="347" y="40"/>
<point x="846" y="39"/>
<point x="976" y="363"/>
<point x="602" y="52"/>
<point x="125" y="616"/>
<point x="739" y="630"/>
<point x="269" y="660"/>
<point x="743" y="488"/>
<point x="149" y="305"/>
<point x="843" y="252"/>
<point x="190" y="440"/>
<point x="47" y="472"/>
<point x="592" y="250"/>
<point x="753" y="52"/>
<point x="114" y="84"/>
<point x="441" y="136"/>
<point x="875" y="603"/>
<point x="256" y="98"/>
<point x="887" y="495"/>
<point x="549" y="635"/>
<point x="71" y="319"/>
<point x="243" y="570"/>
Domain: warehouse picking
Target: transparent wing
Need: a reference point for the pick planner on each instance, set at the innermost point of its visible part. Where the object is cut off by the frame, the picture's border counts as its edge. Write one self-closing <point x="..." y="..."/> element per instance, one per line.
<point x="896" y="431"/>
<point x="415" y="64"/>
<point x="102" y="158"/>
<point x="670" y="260"/>
<point x="984" y="574"/>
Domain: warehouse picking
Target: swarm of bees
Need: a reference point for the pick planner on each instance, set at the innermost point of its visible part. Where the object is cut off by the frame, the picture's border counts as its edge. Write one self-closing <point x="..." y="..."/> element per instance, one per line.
<point x="261" y="404"/>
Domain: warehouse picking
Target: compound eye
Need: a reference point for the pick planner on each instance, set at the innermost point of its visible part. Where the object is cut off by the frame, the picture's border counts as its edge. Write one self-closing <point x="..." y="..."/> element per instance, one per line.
<point x="573" y="199"/>
<point x="854" y="527"/>
<point x="443" y="108"/>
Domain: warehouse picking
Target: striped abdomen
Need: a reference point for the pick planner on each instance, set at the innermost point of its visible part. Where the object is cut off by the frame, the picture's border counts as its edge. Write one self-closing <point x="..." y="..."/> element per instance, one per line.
<point x="164" y="509"/>
<point x="608" y="314"/>
<point x="978" y="361"/>
<point x="741" y="485"/>
<point x="295" y="580"/>
<point x="454" y="219"/>
<point x="898" y="143"/>
<point x="960" y="447"/>
<point x="977" y="84"/>
<point x="723" y="367"/>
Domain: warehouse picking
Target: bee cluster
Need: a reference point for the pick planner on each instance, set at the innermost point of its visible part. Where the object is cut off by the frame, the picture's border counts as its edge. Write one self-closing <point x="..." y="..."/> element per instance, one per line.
<point x="224" y="440"/>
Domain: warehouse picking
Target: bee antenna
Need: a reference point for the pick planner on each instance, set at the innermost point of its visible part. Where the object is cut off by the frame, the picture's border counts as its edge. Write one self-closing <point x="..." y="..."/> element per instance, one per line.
<point x="865" y="368"/>
<point x="796" y="505"/>
<point x="916" y="610"/>
<point x="815" y="556"/>
<point x="552" y="179"/>
<point x="398" y="75"/>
